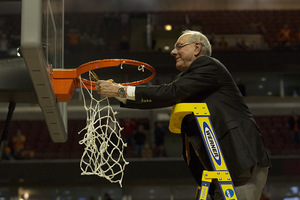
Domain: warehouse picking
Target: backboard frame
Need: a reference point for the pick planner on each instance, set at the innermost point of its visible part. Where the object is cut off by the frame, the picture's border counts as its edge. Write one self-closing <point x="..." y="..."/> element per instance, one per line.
<point x="35" y="53"/>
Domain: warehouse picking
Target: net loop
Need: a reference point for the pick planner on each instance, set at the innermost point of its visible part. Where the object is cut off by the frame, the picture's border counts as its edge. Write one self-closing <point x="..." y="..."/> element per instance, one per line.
<point x="103" y="153"/>
<point x="121" y="65"/>
<point x="141" y="68"/>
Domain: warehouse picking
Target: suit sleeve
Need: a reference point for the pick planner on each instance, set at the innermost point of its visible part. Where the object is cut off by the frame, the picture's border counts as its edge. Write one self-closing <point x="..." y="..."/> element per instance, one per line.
<point x="199" y="79"/>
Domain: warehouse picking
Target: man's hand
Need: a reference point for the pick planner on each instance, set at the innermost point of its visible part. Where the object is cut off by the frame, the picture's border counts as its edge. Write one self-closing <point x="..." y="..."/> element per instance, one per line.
<point x="107" y="88"/>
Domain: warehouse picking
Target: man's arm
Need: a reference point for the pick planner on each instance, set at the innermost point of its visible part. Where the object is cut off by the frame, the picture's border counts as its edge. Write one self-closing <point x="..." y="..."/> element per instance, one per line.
<point x="111" y="89"/>
<point x="200" y="80"/>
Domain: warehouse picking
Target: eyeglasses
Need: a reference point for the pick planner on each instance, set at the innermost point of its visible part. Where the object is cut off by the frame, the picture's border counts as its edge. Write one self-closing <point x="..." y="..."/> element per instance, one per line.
<point x="180" y="45"/>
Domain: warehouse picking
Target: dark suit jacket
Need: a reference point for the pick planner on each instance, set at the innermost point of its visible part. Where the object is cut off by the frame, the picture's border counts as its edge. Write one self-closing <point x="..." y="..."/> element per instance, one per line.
<point x="208" y="81"/>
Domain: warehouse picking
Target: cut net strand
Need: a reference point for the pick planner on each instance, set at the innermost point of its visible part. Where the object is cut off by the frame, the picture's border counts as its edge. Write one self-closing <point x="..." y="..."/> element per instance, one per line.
<point x="103" y="145"/>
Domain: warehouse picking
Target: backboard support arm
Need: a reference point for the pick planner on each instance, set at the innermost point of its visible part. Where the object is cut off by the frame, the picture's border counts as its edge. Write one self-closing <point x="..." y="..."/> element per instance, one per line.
<point x="4" y="133"/>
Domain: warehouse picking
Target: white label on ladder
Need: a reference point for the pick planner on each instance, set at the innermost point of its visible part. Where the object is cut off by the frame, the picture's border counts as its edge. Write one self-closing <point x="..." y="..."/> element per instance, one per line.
<point x="212" y="144"/>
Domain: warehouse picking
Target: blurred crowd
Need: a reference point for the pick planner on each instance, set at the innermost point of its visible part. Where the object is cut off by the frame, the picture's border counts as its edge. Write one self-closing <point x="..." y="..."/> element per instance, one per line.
<point x="114" y="32"/>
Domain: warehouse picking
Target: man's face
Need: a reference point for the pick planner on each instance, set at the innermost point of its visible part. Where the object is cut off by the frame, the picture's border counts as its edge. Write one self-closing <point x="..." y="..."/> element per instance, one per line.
<point x="184" y="52"/>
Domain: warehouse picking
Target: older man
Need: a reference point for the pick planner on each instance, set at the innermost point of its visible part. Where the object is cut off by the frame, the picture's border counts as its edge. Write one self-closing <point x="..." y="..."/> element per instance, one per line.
<point x="204" y="79"/>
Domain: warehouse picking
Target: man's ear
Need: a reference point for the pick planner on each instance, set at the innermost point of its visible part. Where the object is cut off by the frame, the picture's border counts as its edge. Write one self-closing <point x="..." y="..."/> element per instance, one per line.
<point x="198" y="48"/>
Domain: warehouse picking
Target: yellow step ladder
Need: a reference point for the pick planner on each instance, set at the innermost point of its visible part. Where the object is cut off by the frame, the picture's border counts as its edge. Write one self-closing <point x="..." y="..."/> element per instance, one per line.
<point x="220" y="171"/>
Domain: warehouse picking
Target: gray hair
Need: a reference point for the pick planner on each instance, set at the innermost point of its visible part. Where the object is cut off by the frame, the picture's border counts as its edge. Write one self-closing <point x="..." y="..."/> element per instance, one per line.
<point x="197" y="36"/>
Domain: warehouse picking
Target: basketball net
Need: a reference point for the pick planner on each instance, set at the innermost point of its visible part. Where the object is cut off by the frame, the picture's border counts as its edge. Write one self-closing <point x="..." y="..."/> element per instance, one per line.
<point x="103" y="145"/>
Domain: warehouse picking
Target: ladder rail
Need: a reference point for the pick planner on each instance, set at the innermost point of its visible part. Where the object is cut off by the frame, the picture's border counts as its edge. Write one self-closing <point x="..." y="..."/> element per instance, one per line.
<point x="220" y="171"/>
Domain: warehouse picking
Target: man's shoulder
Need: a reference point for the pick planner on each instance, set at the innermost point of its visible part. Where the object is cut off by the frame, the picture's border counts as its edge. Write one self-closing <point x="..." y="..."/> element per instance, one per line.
<point x="204" y="61"/>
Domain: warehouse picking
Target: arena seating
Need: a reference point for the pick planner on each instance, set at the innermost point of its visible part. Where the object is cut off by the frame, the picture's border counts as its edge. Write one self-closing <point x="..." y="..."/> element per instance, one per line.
<point x="277" y="135"/>
<point x="275" y="132"/>
<point x="110" y="27"/>
<point x="265" y="22"/>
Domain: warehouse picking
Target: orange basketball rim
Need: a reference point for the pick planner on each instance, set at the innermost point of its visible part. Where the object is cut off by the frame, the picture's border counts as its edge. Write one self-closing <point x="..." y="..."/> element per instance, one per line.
<point x="66" y="80"/>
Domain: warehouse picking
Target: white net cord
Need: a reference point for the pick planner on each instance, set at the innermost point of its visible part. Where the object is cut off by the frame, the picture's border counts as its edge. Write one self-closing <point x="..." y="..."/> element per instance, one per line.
<point x="103" y="144"/>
